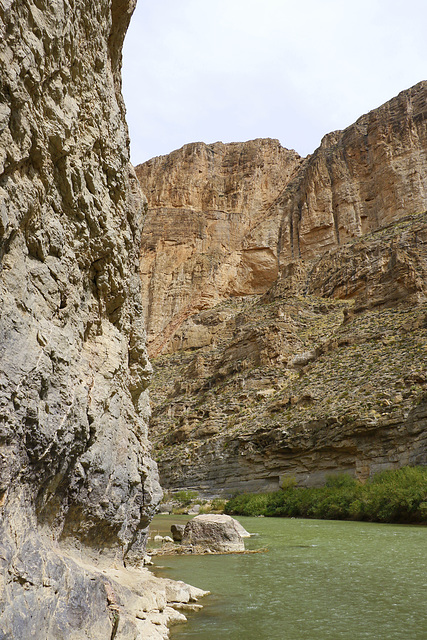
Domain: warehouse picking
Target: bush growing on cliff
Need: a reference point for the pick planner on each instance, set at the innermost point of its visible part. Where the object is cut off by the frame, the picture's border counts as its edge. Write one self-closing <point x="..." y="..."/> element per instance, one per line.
<point x="185" y="498"/>
<point x="390" y="496"/>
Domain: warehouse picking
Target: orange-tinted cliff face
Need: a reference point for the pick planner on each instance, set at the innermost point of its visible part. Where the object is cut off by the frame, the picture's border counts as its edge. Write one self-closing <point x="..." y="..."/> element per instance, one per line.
<point x="288" y="297"/>
<point x="224" y="219"/>
<point x="204" y="201"/>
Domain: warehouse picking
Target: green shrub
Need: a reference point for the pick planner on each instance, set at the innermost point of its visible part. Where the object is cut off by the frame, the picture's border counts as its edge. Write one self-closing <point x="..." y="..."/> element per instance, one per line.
<point x="185" y="498"/>
<point x="390" y="496"/>
<point x="218" y="504"/>
<point x="288" y="482"/>
<point x="339" y="480"/>
<point x="247" y="504"/>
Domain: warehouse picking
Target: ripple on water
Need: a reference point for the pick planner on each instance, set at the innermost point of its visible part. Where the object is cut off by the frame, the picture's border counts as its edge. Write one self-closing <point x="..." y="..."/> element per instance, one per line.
<point x="320" y="580"/>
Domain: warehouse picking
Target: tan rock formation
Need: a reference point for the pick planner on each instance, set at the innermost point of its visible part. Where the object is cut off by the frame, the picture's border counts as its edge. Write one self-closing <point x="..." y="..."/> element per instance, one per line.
<point x="324" y="372"/>
<point x="379" y="270"/>
<point x="223" y="220"/>
<point x="203" y="202"/>
<point x="359" y="179"/>
<point x="77" y="484"/>
<point x="313" y="357"/>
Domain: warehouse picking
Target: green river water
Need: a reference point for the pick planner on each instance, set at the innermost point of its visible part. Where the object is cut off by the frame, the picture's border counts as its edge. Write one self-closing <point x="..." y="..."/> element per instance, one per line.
<point x="319" y="579"/>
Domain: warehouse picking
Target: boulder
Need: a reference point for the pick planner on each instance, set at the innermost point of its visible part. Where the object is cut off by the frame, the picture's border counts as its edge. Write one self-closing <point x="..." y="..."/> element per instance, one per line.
<point x="215" y="532"/>
<point x="241" y="529"/>
<point x="177" y="531"/>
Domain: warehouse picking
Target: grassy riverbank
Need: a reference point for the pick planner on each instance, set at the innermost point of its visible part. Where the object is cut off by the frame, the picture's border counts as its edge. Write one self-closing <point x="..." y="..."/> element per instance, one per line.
<point x="391" y="496"/>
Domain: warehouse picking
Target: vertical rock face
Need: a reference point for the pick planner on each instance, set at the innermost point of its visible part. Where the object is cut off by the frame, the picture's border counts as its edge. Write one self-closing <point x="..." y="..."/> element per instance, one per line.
<point x="223" y="220"/>
<point x="323" y="373"/>
<point x="204" y="201"/>
<point x="326" y="370"/>
<point x="369" y="175"/>
<point x="74" y="461"/>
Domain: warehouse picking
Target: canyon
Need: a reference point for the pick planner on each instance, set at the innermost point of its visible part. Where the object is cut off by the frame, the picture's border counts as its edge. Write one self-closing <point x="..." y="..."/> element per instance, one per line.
<point x="285" y="305"/>
<point x="281" y="299"/>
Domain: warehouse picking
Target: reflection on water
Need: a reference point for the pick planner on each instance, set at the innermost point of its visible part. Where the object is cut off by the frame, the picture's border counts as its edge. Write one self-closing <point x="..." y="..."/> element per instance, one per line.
<point x="319" y="580"/>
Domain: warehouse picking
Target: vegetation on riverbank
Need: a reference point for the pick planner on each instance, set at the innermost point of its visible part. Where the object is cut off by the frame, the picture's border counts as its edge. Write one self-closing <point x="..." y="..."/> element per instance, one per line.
<point x="390" y="496"/>
<point x="190" y="502"/>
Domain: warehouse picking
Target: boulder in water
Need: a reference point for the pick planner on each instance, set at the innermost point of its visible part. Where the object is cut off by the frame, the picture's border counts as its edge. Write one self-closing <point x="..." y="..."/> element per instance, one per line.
<point x="215" y="532"/>
<point x="177" y="531"/>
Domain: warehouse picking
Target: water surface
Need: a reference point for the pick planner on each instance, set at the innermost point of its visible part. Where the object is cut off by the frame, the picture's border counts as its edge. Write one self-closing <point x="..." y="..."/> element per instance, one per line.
<point x="319" y="580"/>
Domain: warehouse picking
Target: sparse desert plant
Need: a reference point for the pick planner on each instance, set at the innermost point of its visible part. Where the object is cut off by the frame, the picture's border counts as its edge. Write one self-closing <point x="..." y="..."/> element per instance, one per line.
<point x="185" y="498"/>
<point x="218" y="505"/>
<point x="287" y="482"/>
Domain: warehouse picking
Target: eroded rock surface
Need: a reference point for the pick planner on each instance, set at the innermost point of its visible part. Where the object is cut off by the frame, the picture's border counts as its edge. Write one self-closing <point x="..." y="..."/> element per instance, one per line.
<point x="359" y="179"/>
<point x="77" y="484"/>
<point x="322" y="367"/>
<point x="225" y="219"/>
<point x="204" y="200"/>
<point x="302" y="382"/>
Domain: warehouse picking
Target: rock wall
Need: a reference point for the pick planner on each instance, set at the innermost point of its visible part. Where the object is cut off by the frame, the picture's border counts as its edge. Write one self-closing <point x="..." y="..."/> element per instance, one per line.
<point x="203" y="202"/>
<point x="358" y="180"/>
<point x="224" y="220"/>
<point x="295" y="345"/>
<point x="324" y="373"/>
<point x="77" y="483"/>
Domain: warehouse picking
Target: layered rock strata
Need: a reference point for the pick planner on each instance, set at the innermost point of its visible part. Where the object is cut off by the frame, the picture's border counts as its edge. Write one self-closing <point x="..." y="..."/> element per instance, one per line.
<point x="324" y="373"/>
<point x="225" y="220"/>
<point x="77" y="484"/>
<point x="358" y="180"/>
<point x="204" y="200"/>
<point x="322" y="367"/>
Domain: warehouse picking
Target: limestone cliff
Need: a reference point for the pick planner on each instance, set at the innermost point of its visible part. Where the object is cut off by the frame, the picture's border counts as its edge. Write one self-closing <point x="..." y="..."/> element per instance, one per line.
<point x="324" y="373"/>
<point x="204" y="201"/>
<point x="322" y="367"/>
<point x="223" y="220"/>
<point x="77" y="484"/>
<point x="372" y="173"/>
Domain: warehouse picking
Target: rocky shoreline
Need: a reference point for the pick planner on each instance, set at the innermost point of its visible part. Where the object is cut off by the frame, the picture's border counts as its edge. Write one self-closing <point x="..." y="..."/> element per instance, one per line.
<point x="140" y="605"/>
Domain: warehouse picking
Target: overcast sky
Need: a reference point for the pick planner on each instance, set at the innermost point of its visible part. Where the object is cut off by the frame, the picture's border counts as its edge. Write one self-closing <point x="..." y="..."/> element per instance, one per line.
<point x="234" y="70"/>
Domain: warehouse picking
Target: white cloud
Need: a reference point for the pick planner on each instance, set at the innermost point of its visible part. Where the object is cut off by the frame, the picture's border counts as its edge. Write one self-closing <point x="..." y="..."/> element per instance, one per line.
<point x="240" y="69"/>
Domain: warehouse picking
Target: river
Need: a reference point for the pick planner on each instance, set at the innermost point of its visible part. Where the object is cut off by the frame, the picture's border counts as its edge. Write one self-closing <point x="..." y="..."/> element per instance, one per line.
<point x="319" y="580"/>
